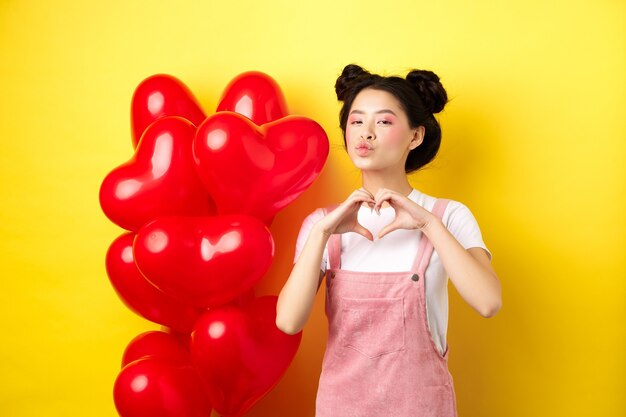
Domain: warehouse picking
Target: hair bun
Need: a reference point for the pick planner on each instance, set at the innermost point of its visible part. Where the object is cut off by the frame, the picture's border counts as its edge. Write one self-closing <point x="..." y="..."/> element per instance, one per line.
<point x="429" y="88"/>
<point x="350" y="76"/>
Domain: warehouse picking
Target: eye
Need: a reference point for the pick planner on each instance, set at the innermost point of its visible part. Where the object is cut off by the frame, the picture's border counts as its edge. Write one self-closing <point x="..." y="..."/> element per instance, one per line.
<point x="384" y="122"/>
<point x="355" y="122"/>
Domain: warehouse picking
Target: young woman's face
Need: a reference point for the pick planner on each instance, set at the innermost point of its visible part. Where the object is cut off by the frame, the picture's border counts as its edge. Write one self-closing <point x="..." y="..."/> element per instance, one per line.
<point x="378" y="136"/>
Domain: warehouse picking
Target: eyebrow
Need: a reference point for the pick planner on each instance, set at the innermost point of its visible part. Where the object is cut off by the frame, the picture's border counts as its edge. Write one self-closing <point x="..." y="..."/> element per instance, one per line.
<point x="378" y="112"/>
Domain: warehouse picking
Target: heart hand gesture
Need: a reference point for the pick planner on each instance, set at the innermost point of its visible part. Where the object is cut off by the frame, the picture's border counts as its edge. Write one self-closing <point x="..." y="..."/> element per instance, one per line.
<point x="344" y="218"/>
<point x="409" y="215"/>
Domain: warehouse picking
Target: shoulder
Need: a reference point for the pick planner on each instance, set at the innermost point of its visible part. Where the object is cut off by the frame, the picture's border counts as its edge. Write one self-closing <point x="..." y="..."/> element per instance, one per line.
<point x="314" y="216"/>
<point x="310" y="220"/>
<point x="455" y="210"/>
<point x="307" y="225"/>
<point x="459" y="220"/>
<point x="458" y="215"/>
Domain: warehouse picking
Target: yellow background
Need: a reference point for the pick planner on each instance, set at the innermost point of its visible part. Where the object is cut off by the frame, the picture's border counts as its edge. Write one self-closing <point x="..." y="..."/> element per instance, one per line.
<point x="534" y="144"/>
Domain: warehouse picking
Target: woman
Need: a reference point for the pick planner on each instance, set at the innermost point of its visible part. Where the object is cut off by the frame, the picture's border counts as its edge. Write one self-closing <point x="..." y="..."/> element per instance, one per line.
<point x="387" y="252"/>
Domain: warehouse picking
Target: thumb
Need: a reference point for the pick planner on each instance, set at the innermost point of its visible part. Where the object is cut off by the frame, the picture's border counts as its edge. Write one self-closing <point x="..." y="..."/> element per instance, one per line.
<point x="387" y="229"/>
<point x="363" y="232"/>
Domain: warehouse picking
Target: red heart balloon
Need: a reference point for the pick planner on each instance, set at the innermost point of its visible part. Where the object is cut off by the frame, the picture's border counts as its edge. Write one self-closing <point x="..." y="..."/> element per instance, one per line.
<point x="258" y="170"/>
<point x="141" y="296"/>
<point x="158" y="96"/>
<point x="205" y="261"/>
<point x="255" y="95"/>
<point x="181" y="337"/>
<point x="240" y="354"/>
<point x="157" y="387"/>
<point x="159" y="180"/>
<point x="157" y="345"/>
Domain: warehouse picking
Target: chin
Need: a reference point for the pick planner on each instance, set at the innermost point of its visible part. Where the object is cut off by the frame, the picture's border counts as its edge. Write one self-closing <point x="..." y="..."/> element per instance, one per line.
<point x="362" y="165"/>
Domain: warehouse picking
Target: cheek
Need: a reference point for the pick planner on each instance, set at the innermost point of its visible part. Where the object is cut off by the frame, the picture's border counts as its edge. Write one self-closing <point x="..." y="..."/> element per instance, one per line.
<point x="350" y="135"/>
<point x="396" y="136"/>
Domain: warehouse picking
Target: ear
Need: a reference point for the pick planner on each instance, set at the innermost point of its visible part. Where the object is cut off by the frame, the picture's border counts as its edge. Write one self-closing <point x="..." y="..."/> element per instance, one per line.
<point x="418" y="137"/>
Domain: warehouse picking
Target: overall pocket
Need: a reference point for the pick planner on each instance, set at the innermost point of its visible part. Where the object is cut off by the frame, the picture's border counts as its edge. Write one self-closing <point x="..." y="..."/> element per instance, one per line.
<point x="372" y="326"/>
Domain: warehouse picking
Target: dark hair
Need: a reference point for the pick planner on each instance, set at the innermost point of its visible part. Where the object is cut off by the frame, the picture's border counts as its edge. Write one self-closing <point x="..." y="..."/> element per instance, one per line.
<point x="420" y="94"/>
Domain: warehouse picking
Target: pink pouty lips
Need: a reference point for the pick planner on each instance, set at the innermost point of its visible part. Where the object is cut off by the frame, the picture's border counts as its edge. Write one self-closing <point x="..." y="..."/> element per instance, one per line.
<point x="363" y="149"/>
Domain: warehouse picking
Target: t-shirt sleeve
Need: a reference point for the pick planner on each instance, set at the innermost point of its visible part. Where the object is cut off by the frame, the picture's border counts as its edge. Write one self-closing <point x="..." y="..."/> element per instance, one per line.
<point x="464" y="227"/>
<point x="303" y="235"/>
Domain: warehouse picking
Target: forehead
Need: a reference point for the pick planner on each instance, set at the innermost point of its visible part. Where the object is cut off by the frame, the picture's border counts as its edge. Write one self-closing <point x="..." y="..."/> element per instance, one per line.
<point x="370" y="100"/>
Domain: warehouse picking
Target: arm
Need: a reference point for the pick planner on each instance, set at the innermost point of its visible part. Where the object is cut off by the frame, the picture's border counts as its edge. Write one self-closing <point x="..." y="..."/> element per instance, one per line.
<point x="469" y="270"/>
<point x="296" y="298"/>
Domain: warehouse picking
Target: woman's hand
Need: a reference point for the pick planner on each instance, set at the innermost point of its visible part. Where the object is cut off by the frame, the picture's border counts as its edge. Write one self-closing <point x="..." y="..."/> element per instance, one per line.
<point x="344" y="218"/>
<point x="409" y="215"/>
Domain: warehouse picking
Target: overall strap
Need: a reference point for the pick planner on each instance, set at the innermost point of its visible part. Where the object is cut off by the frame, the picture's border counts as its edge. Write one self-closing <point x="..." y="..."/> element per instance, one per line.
<point x="425" y="249"/>
<point x="334" y="245"/>
<point x="334" y="252"/>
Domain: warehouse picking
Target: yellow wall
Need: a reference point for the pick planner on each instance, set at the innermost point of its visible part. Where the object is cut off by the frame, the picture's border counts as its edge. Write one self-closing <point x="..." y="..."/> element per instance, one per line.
<point x="533" y="144"/>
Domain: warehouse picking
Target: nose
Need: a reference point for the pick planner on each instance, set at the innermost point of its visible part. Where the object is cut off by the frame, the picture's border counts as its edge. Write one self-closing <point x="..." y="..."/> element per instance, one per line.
<point x="367" y="133"/>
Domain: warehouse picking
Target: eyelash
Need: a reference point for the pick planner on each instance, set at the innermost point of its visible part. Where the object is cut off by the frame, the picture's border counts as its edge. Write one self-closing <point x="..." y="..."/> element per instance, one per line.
<point x="384" y="122"/>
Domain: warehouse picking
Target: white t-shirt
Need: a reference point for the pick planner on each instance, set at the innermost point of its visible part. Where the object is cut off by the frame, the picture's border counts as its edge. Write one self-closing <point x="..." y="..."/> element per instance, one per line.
<point x="396" y="252"/>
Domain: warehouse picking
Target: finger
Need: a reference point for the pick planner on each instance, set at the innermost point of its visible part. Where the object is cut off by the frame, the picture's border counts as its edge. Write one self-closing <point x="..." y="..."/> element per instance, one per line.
<point x="363" y="198"/>
<point x="369" y="198"/>
<point x="391" y="197"/>
<point x="381" y="196"/>
<point x="358" y="194"/>
<point x="362" y="192"/>
<point x="385" y="194"/>
<point x="352" y="204"/>
<point x="358" y="200"/>
<point x="367" y="192"/>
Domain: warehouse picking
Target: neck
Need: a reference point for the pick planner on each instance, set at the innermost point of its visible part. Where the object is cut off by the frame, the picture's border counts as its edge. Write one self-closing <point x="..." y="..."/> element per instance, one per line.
<point x="396" y="181"/>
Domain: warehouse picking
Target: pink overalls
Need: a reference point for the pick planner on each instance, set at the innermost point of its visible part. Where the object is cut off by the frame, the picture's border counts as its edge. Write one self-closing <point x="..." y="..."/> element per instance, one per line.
<point x="380" y="359"/>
